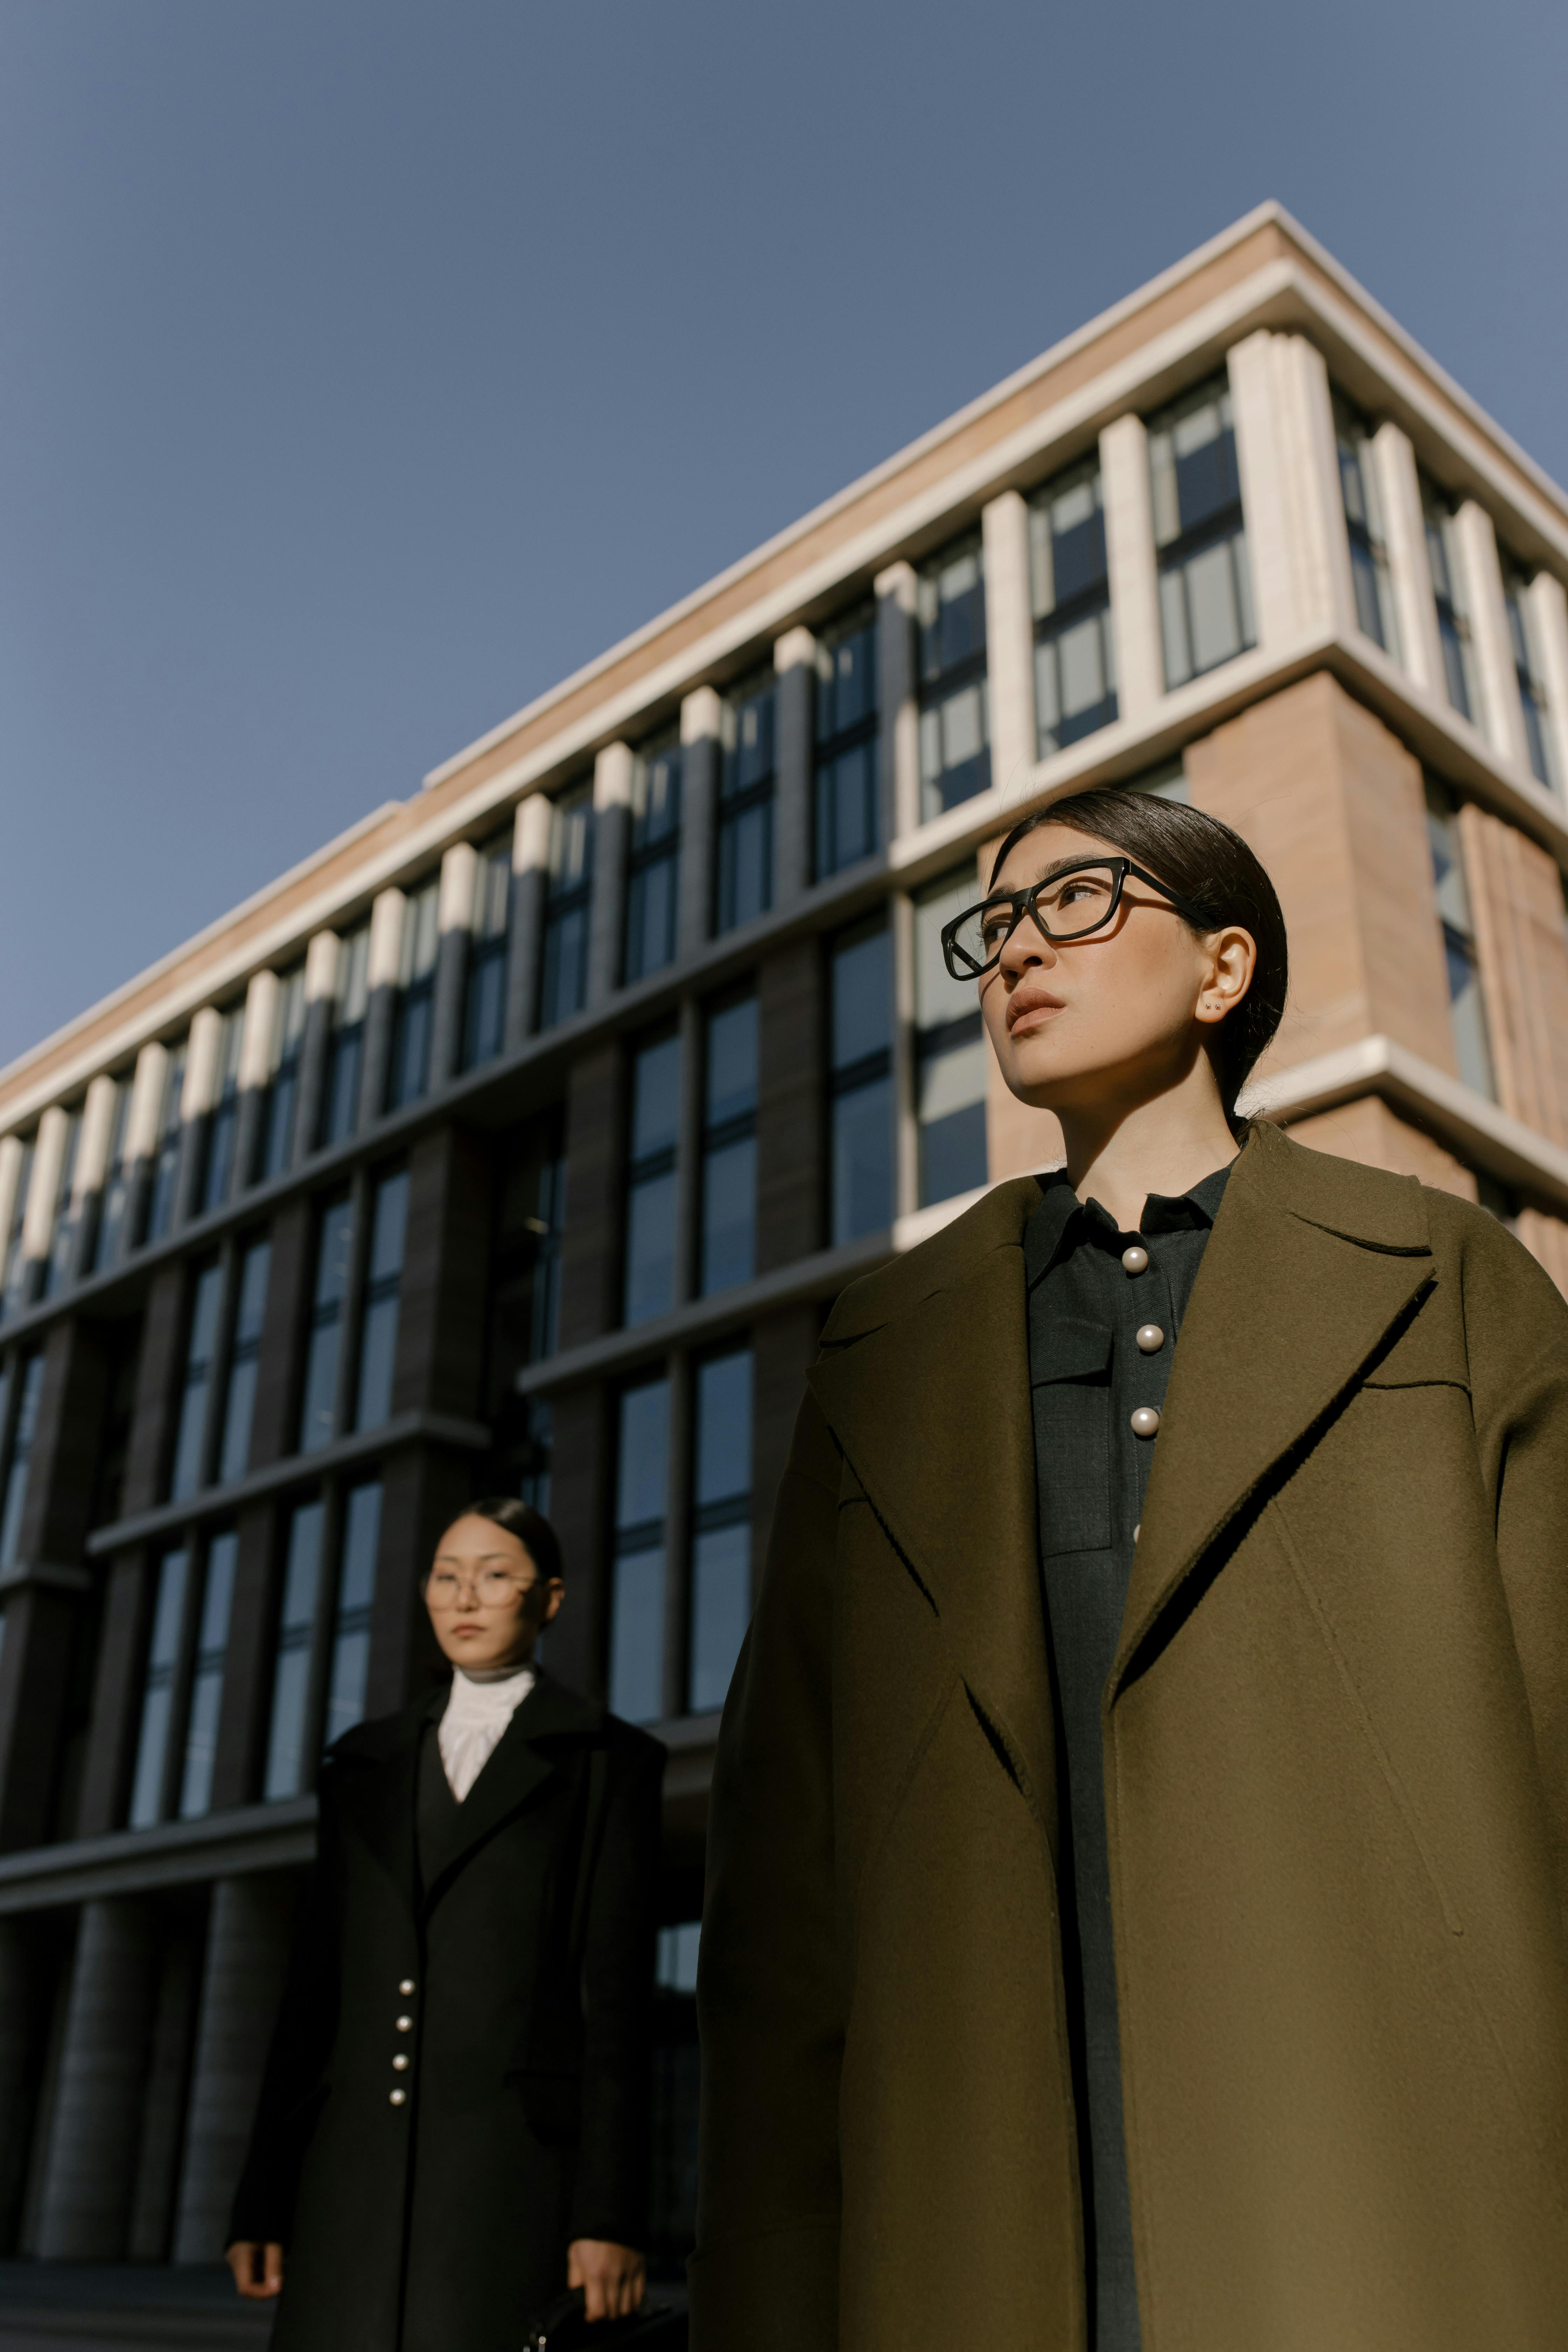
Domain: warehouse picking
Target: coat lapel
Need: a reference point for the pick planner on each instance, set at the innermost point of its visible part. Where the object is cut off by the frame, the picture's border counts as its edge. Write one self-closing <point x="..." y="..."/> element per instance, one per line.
<point x="1313" y="1263"/>
<point x="931" y="1410"/>
<point x="521" y="1761"/>
<point x="380" y="1803"/>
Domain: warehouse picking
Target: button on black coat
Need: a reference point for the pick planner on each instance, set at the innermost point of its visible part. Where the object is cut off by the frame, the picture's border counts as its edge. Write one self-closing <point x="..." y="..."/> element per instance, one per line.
<point x="437" y="2221"/>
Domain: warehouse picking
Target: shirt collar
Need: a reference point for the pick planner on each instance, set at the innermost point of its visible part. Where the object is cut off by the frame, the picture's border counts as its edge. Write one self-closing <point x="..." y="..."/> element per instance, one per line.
<point x="1062" y="1221"/>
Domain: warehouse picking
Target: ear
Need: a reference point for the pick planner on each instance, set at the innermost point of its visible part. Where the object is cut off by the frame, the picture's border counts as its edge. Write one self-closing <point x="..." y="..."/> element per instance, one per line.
<point x="555" y="1593"/>
<point x="1229" y="960"/>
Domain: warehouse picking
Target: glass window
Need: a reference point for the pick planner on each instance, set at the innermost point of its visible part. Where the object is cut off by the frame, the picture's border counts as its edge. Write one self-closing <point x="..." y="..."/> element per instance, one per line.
<point x="114" y="1199"/>
<point x="287" y="1741"/>
<point x="275" y="1146"/>
<point x="652" y="879"/>
<point x="1205" y="585"/>
<point x="62" y="1232"/>
<point x="650" y="1192"/>
<point x="846" y="725"/>
<point x="206" y="1681"/>
<point x="484" y="1007"/>
<point x="17" y="1271"/>
<point x="949" y="1051"/>
<point x="409" y="1073"/>
<point x="545" y="1316"/>
<point x="637" y="1608"/>
<point x="1527" y="668"/>
<point x="149" y="1786"/>
<point x="188" y="1471"/>
<point x="721" y="1526"/>
<point x="244" y="1355"/>
<point x="956" y="756"/>
<point x="860" y="1079"/>
<point x="384" y="1278"/>
<point x="13" y="1498"/>
<point x="1466" y="1005"/>
<point x="729" y="1147"/>
<point x="349" y="1667"/>
<point x="223" y="1119"/>
<point x="318" y="1406"/>
<point x="166" y="1150"/>
<point x="568" y="890"/>
<point x="1069" y="587"/>
<point x="345" y="1055"/>
<point x="745" y="865"/>
<point x="1363" y="522"/>
<point x="1445" y="560"/>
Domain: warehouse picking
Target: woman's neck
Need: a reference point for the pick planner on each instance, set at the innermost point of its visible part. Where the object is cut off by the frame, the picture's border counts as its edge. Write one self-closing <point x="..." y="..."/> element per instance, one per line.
<point x="1166" y="1145"/>
<point x="495" y="1674"/>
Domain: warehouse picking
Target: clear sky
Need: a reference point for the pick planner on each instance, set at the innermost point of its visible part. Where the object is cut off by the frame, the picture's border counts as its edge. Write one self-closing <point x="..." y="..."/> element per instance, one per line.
<point x="365" y="365"/>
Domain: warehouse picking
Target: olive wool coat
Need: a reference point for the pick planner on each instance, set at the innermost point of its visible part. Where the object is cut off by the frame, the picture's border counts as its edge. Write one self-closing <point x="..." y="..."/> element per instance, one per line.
<point x="1336" y="1765"/>
<point x="427" y="2206"/>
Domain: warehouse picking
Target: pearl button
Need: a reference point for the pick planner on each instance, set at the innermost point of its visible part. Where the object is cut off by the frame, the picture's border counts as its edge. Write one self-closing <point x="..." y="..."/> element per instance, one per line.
<point x="406" y="2025"/>
<point x="400" y="2061"/>
<point x="396" y="2097"/>
<point x="1150" y="1339"/>
<point x="1134" y="1260"/>
<point x="1145" y="1421"/>
<point x="1137" y="1530"/>
<point x="405" y="1985"/>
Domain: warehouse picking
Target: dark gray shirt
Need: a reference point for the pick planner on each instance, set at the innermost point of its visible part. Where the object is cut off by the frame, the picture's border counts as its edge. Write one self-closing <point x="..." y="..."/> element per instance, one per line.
<point x="1088" y="1376"/>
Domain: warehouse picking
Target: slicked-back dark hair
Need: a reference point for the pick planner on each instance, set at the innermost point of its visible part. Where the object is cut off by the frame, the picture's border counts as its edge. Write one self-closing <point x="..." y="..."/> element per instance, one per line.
<point x="1211" y="867"/>
<point x="532" y="1528"/>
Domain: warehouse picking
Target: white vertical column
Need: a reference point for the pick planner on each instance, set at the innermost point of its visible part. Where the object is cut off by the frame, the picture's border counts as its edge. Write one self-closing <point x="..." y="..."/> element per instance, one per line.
<point x="1131" y="566"/>
<point x="1408" y="566"/>
<point x="611" y="820"/>
<point x="38" y="1218"/>
<point x="898" y="739"/>
<point x="97" y="1132"/>
<point x="1548" y="637"/>
<point x="11" y="1154"/>
<point x="1009" y="642"/>
<point x="1260" y="462"/>
<point x="794" y="666"/>
<point x="454" y="924"/>
<point x="1315" y="505"/>
<point x="530" y="881"/>
<point x="197" y="1098"/>
<point x="1504" y="718"/>
<point x="701" y="718"/>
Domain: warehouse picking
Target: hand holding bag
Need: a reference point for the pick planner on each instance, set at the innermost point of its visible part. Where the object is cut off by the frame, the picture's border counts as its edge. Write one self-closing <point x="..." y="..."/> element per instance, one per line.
<point x="565" y="2327"/>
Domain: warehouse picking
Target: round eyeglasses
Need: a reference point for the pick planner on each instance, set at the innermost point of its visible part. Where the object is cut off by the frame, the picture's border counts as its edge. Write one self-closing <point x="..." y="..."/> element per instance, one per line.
<point x="1072" y="903"/>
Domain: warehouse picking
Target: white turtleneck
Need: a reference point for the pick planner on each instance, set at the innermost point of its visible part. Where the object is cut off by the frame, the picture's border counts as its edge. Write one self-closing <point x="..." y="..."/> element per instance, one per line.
<point x="481" y="1706"/>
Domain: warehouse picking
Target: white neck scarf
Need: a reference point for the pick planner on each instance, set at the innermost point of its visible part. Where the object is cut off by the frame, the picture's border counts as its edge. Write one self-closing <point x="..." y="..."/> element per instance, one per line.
<point x="475" y="1715"/>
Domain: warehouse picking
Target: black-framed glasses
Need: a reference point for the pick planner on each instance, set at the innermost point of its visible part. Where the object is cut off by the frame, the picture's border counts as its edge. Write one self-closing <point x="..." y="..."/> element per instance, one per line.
<point x="1073" y="903"/>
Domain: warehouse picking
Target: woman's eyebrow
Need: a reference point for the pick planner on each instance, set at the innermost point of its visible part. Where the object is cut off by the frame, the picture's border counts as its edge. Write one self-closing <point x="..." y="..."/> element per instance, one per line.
<point x="1056" y="866"/>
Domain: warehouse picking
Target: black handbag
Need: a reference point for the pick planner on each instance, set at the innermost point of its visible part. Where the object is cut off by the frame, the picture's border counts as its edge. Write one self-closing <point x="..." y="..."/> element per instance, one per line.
<point x="565" y="2327"/>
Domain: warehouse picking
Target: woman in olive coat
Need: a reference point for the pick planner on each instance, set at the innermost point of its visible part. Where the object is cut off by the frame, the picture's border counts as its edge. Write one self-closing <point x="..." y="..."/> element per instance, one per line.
<point x="454" y="2122"/>
<point x="1293" y="1881"/>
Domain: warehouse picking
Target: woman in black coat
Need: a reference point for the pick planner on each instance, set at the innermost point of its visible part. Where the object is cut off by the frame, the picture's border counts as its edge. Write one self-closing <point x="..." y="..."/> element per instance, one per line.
<point x="453" y="2122"/>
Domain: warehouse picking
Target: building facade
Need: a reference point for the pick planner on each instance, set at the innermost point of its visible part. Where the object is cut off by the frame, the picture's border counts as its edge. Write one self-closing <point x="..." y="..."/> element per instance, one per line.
<point x="521" y="1138"/>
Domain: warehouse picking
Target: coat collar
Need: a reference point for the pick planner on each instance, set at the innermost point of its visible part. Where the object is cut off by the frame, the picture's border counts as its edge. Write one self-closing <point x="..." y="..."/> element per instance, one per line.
<point x="383" y="1808"/>
<point x="924" y="1381"/>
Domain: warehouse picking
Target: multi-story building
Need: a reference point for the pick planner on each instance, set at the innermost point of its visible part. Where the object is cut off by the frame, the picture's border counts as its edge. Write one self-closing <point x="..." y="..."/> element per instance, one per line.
<point x="519" y="1139"/>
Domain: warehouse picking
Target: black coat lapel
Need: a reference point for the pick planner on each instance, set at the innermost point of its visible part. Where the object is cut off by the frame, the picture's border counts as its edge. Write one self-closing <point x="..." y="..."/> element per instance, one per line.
<point x="375" y="1787"/>
<point x="931" y="1411"/>
<point x="1313" y="1262"/>
<point x="524" y="1758"/>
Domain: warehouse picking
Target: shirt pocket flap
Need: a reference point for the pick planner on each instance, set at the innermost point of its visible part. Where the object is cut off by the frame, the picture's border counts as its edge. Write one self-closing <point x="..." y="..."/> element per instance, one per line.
<point x="1068" y="1349"/>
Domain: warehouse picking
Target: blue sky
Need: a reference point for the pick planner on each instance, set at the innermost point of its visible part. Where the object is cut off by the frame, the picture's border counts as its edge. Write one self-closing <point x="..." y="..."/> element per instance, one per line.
<point x="365" y="368"/>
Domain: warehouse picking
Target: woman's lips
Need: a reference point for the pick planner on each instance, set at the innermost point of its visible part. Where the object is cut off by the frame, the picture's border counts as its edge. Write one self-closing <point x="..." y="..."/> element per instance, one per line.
<point x="1023" y="1010"/>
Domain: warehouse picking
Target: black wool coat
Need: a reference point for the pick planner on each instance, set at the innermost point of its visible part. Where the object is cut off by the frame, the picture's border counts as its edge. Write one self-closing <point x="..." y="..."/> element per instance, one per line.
<point x="517" y="1986"/>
